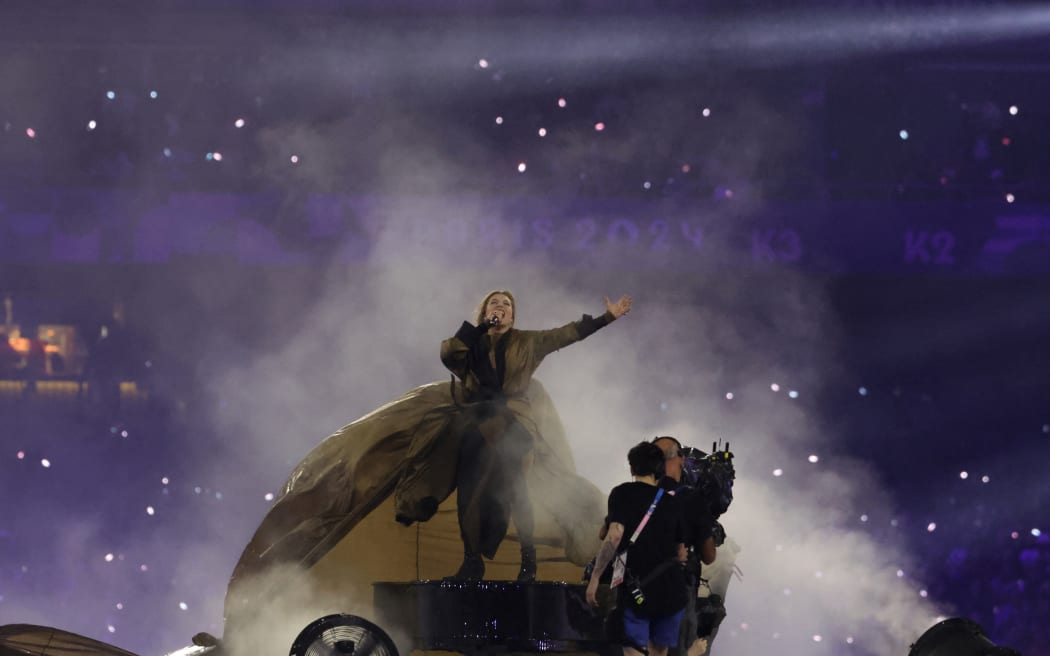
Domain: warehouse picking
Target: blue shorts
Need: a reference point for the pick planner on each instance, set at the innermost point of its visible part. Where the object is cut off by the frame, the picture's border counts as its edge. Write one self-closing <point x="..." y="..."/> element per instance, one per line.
<point x="661" y="631"/>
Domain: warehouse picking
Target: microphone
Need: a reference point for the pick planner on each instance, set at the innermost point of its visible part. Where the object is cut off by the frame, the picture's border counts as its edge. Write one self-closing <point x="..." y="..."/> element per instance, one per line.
<point x="493" y="320"/>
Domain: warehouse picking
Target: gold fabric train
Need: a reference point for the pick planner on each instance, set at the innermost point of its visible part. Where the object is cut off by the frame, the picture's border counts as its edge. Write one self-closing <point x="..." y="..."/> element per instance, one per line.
<point x="407" y="445"/>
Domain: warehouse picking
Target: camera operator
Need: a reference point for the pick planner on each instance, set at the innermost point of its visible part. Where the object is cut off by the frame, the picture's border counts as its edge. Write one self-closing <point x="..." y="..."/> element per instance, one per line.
<point x="700" y="541"/>
<point x="648" y="571"/>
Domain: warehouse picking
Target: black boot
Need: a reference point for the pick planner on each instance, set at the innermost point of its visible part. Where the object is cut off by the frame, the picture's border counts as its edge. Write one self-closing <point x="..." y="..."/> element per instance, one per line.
<point x="472" y="569"/>
<point x="527" y="573"/>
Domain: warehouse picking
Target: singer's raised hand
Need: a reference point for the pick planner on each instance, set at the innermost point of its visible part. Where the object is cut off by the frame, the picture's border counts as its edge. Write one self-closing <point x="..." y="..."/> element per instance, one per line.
<point x="620" y="307"/>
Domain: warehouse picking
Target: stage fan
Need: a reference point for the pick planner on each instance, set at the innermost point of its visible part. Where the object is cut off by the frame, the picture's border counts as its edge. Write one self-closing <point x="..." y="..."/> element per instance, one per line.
<point x="342" y="635"/>
<point x="957" y="637"/>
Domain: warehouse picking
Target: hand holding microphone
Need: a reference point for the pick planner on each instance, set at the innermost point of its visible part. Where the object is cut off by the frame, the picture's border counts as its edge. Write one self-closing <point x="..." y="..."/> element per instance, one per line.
<point x="495" y="319"/>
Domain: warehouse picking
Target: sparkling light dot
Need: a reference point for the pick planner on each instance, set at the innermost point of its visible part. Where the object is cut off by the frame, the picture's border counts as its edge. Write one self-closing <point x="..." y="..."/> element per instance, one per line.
<point x="863" y="391"/>
<point x="964" y="475"/>
<point x="209" y="156"/>
<point x="923" y="594"/>
<point x="164" y="481"/>
<point x="197" y="490"/>
<point x="775" y="387"/>
<point x="705" y="112"/>
<point x="900" y="573"/>
<point x="542" y="132"/>
<point x="894" y="522"/>
<point x="31" y="133"/>
<point x="598" y="127"/>
<point x="1013" y="110"/>
<point x="931" y="527"/>
<point x="218" y="158"/>
<point x="92" y="125"/>
<point x="108" y="558"/>
<point x="1014" y="535"/>
<point x="817" y="638"/>
<point x="153" y="95"/>
<point x="21" y="455"/>
<point x="149" y="510"/>
<point x="778" y="472"/>
<point x="903" y="135"/>
<point x="111" y="628"/>
<point x="793" y="394"/>
<point x="294" y="159"/>
<point x="849" y="640"/>
<point x="143" y="567"/>
<point x="729" y="396"/>
<point x="483" y="63"/>
<point x="120" y="606"/>
<point x="167" y="152"/>
<point x="863" y="518"/>
<point x="182" y="605"/>
<point x="123" y="433"/>
<point x="111" y="95"/>
<point x="45" y="463"/>
<point x="814" y="458"/>
<point x="647" y="185"/>
<point x="239" y="123"/>
<point x="562" y="103"/>
<point x="268" y="496"/>
<point x="521" y="167"/>
<point x="985" y="479"/>
<point x="218" y="495"/>
<point x="1046" y="428"/>
<point x="1010" y="198"/>
<point x="1036" y="532"/>
<point x="499" y="120"/>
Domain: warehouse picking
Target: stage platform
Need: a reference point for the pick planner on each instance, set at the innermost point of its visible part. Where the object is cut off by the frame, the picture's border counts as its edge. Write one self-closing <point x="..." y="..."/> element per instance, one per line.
<point x="491" y="616"/>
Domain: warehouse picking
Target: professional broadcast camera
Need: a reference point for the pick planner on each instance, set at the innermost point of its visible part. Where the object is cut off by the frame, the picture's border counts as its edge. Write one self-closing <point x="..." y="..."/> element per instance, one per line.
<point x="711" y="476"/>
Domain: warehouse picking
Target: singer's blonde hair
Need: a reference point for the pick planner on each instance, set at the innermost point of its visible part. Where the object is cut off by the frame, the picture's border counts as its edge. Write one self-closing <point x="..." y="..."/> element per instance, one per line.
<point x="479" y="315"/>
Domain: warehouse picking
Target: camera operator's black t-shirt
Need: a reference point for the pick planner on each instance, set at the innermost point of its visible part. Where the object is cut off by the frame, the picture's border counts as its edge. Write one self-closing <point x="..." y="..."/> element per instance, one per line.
<point x="696" y="510"/>
<point x="657" y="544"/>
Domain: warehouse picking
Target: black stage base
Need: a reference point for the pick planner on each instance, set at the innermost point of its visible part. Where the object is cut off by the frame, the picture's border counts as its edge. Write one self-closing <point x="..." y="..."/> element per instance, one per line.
<point x="490" y="616"/>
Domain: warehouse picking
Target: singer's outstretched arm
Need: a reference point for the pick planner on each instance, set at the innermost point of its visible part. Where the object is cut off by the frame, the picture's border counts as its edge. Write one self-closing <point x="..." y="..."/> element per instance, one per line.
<point x="548" y="341"/>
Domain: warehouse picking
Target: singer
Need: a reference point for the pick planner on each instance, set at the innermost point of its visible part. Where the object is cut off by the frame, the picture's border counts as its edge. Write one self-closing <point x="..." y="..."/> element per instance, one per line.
<point x="494" y="363"/>
<point x="485" y="432"/>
